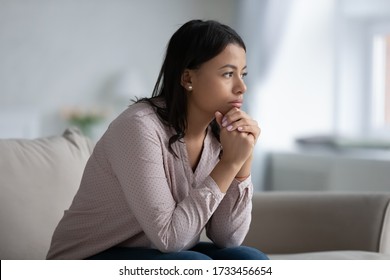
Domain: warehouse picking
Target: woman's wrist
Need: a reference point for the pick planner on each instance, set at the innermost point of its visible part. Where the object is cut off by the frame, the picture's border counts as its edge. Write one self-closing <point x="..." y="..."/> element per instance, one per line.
<point x="223" y="174"/>
<point x="242" y="178"/>
<point x="245" y="170"/>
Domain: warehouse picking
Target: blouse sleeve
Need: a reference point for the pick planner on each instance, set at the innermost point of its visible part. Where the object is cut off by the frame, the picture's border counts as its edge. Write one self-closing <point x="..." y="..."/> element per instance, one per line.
<point x="135" y="154"/>
<point x="230" y="223"/>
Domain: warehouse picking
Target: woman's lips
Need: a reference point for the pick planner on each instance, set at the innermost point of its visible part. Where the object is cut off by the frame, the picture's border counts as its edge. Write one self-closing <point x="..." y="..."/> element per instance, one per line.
<point x="237" y="104"/>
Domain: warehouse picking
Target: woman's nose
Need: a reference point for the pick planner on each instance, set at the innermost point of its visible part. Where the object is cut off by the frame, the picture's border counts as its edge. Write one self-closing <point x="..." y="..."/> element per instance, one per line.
<point x="240" y="86"/>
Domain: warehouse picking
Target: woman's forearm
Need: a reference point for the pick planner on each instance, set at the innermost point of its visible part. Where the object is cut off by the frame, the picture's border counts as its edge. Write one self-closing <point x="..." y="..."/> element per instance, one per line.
<point x="224" y="173"/>
<point x="245" y="170"/>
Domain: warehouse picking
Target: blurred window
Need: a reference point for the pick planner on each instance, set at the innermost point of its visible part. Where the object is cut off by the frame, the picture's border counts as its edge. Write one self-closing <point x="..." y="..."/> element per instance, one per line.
<point x="387" y="81"/>
<point x="380" y="105"/>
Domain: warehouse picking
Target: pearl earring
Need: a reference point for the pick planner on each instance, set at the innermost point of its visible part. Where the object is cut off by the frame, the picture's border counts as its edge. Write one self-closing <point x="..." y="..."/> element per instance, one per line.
<point x="189" y="87"/>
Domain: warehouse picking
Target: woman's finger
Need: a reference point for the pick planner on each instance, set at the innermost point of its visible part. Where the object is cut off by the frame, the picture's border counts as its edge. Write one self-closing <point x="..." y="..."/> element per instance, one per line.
<point x="232" y="116"/>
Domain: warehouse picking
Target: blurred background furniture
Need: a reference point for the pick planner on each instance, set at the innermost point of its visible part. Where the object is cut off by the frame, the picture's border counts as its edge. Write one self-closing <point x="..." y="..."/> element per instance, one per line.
<point x="328" y="169"/>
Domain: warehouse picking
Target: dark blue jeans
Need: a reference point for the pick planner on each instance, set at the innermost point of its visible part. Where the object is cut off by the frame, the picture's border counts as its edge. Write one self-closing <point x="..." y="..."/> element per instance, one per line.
<point x="202" y="251"/>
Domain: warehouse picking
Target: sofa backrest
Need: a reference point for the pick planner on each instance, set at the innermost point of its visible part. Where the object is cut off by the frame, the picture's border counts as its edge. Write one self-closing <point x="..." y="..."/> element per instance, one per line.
<point x="296" y="222"/>
<point x="38" y="179"/>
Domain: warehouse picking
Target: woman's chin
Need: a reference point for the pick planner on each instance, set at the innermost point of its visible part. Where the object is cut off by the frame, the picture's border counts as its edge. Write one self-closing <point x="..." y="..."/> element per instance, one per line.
<point x="227" y="109"/>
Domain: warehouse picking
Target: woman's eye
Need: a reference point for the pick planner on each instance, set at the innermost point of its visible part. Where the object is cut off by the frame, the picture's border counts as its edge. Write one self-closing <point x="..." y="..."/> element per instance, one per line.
<point x="228" y="74"/>
<point x="243" y="75"/>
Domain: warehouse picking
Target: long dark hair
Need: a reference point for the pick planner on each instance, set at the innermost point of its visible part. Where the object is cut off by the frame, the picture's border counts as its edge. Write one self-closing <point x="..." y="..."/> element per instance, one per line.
<point x="191" y="45"/>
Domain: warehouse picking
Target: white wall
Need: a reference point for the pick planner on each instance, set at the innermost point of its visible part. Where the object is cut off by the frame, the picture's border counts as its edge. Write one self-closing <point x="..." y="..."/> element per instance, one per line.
<point x="318" y="79"/>
<point x="56" y="53"/>
<point x="356" y="21"/>
<point x="295" y="97"/>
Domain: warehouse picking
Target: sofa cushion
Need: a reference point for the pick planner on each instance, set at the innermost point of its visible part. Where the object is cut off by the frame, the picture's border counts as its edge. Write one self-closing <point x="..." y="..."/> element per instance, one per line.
<point x="37" y="183"/>
<point x="332" y="255"/>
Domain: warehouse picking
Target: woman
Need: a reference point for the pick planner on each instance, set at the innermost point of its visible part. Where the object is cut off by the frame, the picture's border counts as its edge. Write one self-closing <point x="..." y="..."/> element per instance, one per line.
<point x="158" y="176"/>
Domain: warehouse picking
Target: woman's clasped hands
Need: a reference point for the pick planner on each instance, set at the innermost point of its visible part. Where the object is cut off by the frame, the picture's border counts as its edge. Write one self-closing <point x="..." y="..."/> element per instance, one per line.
<point x="238" y="135"/>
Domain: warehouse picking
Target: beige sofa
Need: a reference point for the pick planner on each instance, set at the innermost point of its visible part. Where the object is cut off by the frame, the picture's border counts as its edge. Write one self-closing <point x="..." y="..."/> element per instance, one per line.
<point x="38" y="179"/>
<point x="321" y="225"/>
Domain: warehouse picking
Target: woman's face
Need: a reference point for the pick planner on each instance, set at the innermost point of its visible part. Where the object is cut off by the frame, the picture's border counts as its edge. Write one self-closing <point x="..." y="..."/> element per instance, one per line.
<point x="218" y="84"/>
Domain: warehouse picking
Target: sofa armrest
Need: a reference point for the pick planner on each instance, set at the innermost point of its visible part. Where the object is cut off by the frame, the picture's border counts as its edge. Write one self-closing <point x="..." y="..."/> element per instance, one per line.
<point x="384" y="246"/>
<point x="319" y="221"/>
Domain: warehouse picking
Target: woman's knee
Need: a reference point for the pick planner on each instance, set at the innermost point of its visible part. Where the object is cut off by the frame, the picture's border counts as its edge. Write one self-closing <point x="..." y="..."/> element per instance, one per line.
<point x="189" y="255"/>
<point x="244" y="253"/>
<point x="250" y="253"/>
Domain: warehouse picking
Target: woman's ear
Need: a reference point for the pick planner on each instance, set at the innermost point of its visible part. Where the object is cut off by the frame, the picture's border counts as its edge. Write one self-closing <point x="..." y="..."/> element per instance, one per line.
<point x="186" y="79"/>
